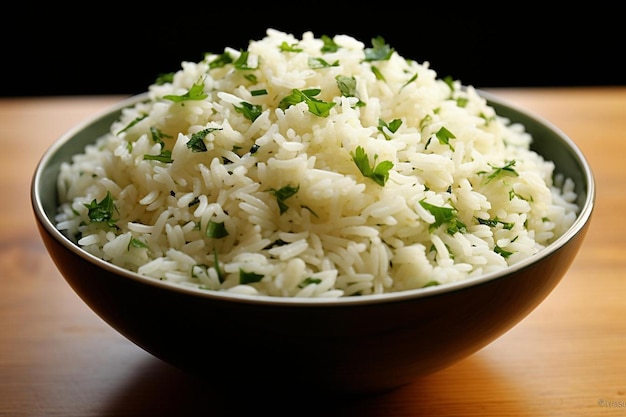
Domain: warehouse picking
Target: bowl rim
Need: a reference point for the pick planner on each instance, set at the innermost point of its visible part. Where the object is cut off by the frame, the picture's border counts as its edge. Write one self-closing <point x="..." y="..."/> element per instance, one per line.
<point x="580" y="222"/>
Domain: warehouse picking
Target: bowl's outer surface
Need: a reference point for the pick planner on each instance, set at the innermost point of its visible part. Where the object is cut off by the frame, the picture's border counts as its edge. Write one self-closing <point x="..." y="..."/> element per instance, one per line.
<point x="337" y="347"/>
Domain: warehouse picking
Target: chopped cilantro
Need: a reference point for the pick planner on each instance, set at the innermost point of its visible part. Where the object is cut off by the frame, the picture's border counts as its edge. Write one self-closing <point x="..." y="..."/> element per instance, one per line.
<point x="444" y="215"/>
<point x="329" y="44"/>
<point x="507" y="169"/>
<point x="392" y="127"/>
<point x="136" y="243"/>
<point x="504" y="253"/>
<point x="379" y="172"/>
<point x="216" y="230"/>
<point x="316" y="106"/>
<point x="221" y="61"/>
<point x="102" y="211"/>
<point x="283" y="194"/>
<point x="216" y="265"/>
<point x="444" y="136"/>
<point x="158" y="136"/>
<point x="249" y="277"/>
<point x="249" y="111"/>
<point x="196" y="92"/>
<point x="379" y="75"/>
<point x="413" y="78"/>
<point x="242" y="62"/>
<point x="164" y="78"/>
<point x="165" y="156"/>
<point x="347" y="86"/>
<point x="494" y="222"/>
<point x="309" y="281"/>
<point x="318" y="63"/>
<point x="133" y="123"/>
<point x="196" y="142"/>
<point x="380" y="51"/>
<point x="285" y="47"/>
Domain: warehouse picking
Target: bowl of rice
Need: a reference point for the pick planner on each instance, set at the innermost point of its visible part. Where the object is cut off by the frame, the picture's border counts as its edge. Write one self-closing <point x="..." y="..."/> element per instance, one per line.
<point x="312" y="213"/>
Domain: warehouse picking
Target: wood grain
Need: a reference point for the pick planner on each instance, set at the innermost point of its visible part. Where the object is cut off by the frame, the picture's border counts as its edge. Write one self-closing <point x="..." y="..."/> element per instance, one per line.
<point x="567" y="358"/>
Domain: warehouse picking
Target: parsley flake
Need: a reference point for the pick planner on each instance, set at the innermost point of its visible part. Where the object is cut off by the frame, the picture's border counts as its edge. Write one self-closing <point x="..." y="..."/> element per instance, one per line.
<point x="378" y="172"/>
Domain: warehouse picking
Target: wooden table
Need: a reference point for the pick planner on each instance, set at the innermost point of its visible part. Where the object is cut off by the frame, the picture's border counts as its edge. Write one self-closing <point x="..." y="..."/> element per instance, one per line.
<point x="567" y="358"/>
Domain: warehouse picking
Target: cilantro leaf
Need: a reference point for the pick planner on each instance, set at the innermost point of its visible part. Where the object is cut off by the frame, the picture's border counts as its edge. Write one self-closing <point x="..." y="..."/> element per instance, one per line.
<point x="380" y="51"/>
<point x="102" y="211"/>
<point x="507" y="169"/>
<point x="392" y="126"/>
<point x="283" y="194"/>
<point x="444" y="215"/>
<point x="379" y="172"/>
<point x="249" y="111"/>
<point x="316" y="106"/>
<point x="329" y="44"/>
<point x="196" y="92"/>
<point x="216" y="230"/>
<point x="249" y="277"/>
<point x="444" y="136"/>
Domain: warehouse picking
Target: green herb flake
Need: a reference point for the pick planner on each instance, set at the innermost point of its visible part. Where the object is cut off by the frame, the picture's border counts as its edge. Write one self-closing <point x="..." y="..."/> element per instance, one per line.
<point x="462" y="102"/>
<point x="285" y="47"/>
<point x="283" y="194"/>
<point x="251" y="77"/>
<point x="309" y="281"/>
<point x="158" y="136"/>
<point x="319" y="63"/>
<point x="487" y="119"/>
<point x="102" y="211"/>
<point x="380" y="51"/>
<point x="196" y="142"/>
<point x="378" y="172"/>
<point x="504" y="253"/>
<point x="165" y="156"/>
<point x="444" y="215"/>
<point x="413" y="78"/>
<point x="249" y="277"/>
<point x="196" y="92"/>
<point x="164" y="78"/>
<point x="444" y="136"/>
<point x="347" y="87"/>
<point x="133" y="123"/>
<point x="329" y="44"/>
<point x="316" y="106"/>
<point x="449" y="82"/>
<point x="494" y="222"/>
<point x="218" y="270"/>
<point x="249" y="111"/>
<point x="242" y="62"/>
<point x="221" y="61"/>
<point x="425" y="121"/>
<point x="216" y="230"/>
<point x="506" y="169"/>
<point x="136" y="243"/>
<point x="260" y="92"/>
<point x="392" y="127"/>
<point x="379" y="75"/>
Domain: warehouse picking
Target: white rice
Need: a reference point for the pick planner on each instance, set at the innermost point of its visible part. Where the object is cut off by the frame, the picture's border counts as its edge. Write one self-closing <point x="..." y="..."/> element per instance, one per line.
<point x="341" y="233"/>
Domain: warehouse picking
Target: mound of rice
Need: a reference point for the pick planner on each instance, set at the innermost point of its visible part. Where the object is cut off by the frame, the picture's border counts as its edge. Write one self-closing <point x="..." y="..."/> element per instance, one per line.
<point x="312" y="167"/>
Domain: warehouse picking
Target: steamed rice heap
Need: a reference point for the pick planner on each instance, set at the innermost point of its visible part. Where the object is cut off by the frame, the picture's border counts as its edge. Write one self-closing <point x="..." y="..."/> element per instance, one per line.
<point x="312" y="167"/>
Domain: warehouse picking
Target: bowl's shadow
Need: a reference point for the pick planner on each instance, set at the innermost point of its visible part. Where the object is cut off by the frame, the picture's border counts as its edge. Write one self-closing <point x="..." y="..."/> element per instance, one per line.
<point x="159" y="389"/>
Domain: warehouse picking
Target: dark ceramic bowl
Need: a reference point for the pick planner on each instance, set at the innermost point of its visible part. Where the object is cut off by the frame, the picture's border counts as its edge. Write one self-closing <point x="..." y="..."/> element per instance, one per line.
<point x="347" y="345"/>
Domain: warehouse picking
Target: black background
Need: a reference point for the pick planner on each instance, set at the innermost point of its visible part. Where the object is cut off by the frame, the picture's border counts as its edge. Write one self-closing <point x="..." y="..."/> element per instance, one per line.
<point x="113" y="50"/>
